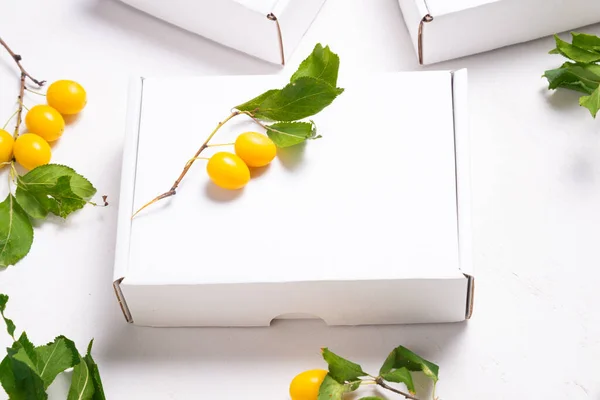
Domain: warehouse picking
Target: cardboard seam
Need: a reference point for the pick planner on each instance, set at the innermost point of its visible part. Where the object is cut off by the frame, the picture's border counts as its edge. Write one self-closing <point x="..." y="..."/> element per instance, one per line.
<point x="470" y="278"/>
<point x="272" y="17"/>
<point x="117" y="283"/>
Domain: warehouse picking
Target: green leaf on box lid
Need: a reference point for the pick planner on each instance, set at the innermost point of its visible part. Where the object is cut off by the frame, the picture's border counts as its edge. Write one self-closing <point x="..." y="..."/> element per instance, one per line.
<point x="331" y="389"/>
<point x="340" y="369"/>
<point x="401" y="357"/>
<point x="53" y="188"/>
<point x="321" y="64"/>
<point x="299" y="99"/>
<point x="16" y="232"/>
<point x="286" y="134"/>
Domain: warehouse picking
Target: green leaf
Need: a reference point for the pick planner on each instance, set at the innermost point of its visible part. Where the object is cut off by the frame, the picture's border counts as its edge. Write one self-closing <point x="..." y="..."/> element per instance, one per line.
<point x="16" y="232"/>
<point x="25" y="351"/>
<point x="331" y="389"/>
<point x="20" y="381"/>
<point x="321" y="64"/>
<point x="54" y="358"/>
<point x="400" y="375"/>
<point x="53" y="188"/>
<point x="591" y="102"/>
<point x="300" y="99"/>
<point x="573" y="76"/>
<point x="10" y="325"/>
<point x="585" y="41"/>
<point x="93" y="367"/>
<point x="401" y="357"/>
<point x="253" y="105"/>
<point x="341" y="369"/>
<point x="371" y="398"/>
<point x="575" y="53"/>
<point x="82" y="383"/>
<point x="286" y="134"/>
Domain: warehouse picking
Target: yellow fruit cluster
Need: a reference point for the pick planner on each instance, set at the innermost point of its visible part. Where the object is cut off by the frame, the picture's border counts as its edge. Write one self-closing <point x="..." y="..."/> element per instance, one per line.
<point x="45" y="123"/>
<point x="230" y="171"/>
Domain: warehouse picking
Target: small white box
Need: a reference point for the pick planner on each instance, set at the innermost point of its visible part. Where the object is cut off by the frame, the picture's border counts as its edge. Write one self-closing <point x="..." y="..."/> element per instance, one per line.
<point x="446" y="29"/>
<point x="368" y="225"/>
<point x="267" y="29"/>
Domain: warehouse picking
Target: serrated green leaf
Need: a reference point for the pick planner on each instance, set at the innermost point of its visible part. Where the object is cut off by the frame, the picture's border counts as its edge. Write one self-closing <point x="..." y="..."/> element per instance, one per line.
<point x="591" y="102"/>
<point x="573" y="76"/>
<point x="16" y="232"/>
<point x="321" y="64"/>
<point x="10" y="325"/>
<point x="340" y="369"/>
<point x="575" y="53"/>
<point x="400" y="375"/>
<point x="404" y="358"/>
<point x="82" y="384"/>
<point x="54" y="358"/>
<point x="286" y="134"/>
<point x="585" y="41"/>
<point x="20" y="381"/>
<point x="331" y="389"/>
<point x="300" y="99"/>
<point x="95" y="373"/>
<point x="25" y="351"/>
<point x="53" y="189"/>
<point x="254" y="104"/>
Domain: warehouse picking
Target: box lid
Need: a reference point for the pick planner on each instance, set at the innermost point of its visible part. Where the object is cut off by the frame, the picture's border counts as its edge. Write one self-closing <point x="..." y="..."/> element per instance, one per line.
<point x="374" y="200"/>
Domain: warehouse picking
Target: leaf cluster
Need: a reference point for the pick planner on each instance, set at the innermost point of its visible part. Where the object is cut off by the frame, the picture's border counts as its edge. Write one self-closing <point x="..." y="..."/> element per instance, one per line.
<point x="47" y="189"/>
<point x="311" y="88"/>
<point x="346" y="376"/>
<point x="582" y="72"/>
<point x="27" y="370"/>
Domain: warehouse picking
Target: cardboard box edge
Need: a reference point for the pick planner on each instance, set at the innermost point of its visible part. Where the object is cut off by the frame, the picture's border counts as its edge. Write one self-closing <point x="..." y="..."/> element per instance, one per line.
<point x="128" y="172"/>
<point x="463" y="182"/>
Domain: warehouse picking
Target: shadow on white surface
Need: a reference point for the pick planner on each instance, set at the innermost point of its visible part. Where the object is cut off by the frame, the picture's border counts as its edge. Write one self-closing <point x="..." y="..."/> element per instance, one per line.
<point x="562" y="100"/>
<point x="291" y="157"/>
<point x="220" y="195"/>
<point x="178" y="41"/>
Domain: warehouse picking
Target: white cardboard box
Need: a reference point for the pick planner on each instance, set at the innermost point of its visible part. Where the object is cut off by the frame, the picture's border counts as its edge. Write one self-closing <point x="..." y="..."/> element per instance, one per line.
<point x="446" y="29"/>
<point x="267" y="29"/>
<point x="368" y="225"/>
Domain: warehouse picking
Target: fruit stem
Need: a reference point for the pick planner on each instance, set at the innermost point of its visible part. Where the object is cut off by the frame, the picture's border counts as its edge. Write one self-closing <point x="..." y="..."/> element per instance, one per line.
<point x="8" y="121"/>
<point x="220" y="144"/>
<point x="34" y="92"/>
<point x="188" y="165"/>
<point x="381" y="383"/>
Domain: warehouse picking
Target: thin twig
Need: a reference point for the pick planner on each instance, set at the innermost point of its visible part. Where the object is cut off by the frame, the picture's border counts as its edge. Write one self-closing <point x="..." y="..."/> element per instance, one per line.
<point x="24" y="76"/>
<point x="381" y="383"/>
<point x="18" y="59"/>
<point x="21" y="106"/>
<point x="188" y="165"/>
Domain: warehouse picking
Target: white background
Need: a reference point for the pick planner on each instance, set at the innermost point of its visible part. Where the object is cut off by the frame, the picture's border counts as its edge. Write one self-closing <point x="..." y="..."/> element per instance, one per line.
<point x="535" y="333"/>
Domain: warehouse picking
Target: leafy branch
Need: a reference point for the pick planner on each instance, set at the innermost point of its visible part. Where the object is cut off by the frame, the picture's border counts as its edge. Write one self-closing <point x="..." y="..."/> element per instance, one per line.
<point x="583" y="73"/>
<point x="312" y="88"/>
<point x="345" y="376"/>
<point x="27" y="370"/>
<point x="49" y="188"/>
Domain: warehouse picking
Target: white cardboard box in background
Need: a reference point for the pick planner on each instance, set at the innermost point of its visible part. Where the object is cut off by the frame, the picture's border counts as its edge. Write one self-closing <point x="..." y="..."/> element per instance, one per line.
<point x="447" y="29"/>
<point x="267" y="29"/>
<point x="368" y="225"/>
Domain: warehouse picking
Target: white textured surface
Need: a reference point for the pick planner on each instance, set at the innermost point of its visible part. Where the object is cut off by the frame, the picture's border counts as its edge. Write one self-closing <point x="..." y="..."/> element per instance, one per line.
<point x="536" y="184"/>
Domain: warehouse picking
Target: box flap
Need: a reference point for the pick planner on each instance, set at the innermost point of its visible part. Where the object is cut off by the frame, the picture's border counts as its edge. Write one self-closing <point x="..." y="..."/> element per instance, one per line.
<point x="437" y="8"/>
